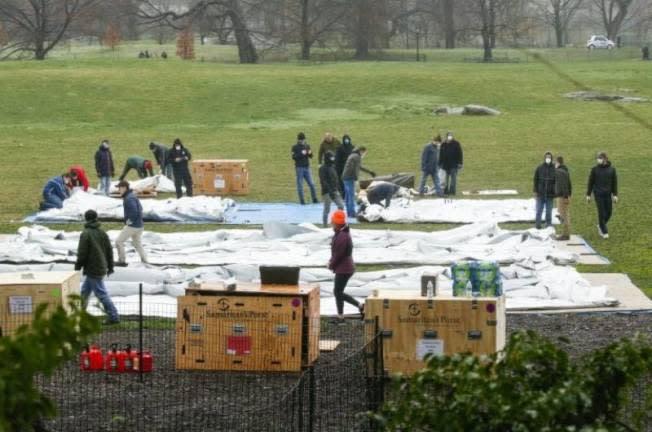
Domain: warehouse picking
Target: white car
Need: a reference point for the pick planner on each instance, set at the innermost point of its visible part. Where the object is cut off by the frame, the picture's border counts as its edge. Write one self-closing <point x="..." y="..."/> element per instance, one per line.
<point x="600" y="42"/>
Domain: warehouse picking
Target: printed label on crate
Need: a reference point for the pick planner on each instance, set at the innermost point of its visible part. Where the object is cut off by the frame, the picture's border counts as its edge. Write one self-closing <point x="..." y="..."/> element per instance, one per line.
<point x="219" y="182"/>
<point x="20" y="305"/>
<point x="282" y="329"/>
<point x="429" y="346"/>
<point x="238" y="345"/>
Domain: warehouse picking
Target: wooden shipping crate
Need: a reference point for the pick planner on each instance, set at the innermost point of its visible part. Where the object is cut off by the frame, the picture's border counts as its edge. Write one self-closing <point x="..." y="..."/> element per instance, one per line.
<point x="21" y="293"/>
<point x="220" y="177"/>
<point x="254" y="328"/>
<point x="414" y="326"/>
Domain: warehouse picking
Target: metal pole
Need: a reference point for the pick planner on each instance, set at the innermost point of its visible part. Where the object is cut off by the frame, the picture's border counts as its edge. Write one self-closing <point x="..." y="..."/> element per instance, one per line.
<point x="312" y="397"/>
<point x="418" y="46"/>
<point x="140" y="332"/>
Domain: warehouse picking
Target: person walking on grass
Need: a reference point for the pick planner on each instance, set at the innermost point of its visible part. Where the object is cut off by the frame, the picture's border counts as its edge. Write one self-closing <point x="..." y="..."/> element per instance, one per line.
<point x="544" y="189"/>
<point x="95" y="257"/>
<point x="142" y="166"/>
<point x="350" y="177"/>
<point x="104" y="167"/>
<point x="134" y="225"/>
<point x="603" y="184"/>
<point x="430" y="165"/>
<point x="330" y="186"/>
<point x="329" y="144"/>
<point x="451" y="160"/>
<point x="179" y="158"/>
<point x="341" y="263"/>
<point x="563" y="192"/>
<point x="301" y="154"/>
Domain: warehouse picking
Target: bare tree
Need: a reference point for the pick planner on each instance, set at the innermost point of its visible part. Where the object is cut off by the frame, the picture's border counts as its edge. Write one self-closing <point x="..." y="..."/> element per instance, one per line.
<point x="612" y="14"/>
<point x="38" y="26"/>
<point x="111" y="36"/>
<point x="448" y="12"/>
<point x="558" y="14"/>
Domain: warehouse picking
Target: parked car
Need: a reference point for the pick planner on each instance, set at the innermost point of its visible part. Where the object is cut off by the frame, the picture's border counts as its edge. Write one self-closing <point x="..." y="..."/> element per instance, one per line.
<point x="600" y="42"/>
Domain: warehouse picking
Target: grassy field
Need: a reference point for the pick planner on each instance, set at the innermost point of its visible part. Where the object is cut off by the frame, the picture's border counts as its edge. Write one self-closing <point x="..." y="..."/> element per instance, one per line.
<point x="54" y="113"/>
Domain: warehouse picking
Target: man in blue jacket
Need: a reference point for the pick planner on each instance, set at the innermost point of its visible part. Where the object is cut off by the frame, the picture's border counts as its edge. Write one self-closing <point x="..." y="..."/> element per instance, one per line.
<point x="430" y="165"/>
<point x="134" y="226"/>
<point x="55" y="192"/>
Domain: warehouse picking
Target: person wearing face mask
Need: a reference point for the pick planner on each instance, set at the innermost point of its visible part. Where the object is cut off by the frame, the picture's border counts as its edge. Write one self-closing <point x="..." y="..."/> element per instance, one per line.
<point x="341" y="263"/>
<point x="451" y="160"/>
<point x="341" y="155"/>
<point x="544" y="189"/>
<point x="329" y="186"/>
<point x="104" y="166"/>
<point x="563" y="191"/>
<point x="301" y="154"/>
<point x="179" y="158"/>
<point x="603" y="183"/>
<point x="329" y="144"/>
<point x="134" y="225"/>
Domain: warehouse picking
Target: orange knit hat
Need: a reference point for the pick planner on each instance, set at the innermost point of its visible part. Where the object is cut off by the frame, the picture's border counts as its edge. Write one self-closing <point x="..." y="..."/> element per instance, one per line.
<point x="339" y="217"/>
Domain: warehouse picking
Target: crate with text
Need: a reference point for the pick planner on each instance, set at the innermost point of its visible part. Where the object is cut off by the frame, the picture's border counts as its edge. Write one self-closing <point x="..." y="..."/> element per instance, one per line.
<point x="220" y="177"/>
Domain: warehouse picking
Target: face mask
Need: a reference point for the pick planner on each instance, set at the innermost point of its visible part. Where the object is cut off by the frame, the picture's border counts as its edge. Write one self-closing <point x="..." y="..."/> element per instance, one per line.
<point x="105" y="145"/>
<point x="178" y="148"/>
<point x="449" y="138"/>
<point x="332" y="159"/>
<point x="347" y="142"/>
<point x="600" y="161"/>
<point x="548" y="161"/>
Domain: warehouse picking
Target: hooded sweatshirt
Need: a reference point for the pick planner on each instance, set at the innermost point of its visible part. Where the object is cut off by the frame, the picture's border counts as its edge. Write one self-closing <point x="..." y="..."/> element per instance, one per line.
<point x="328" y="176"/>
<point x="56" y="186"/>
<point x="183" y="154"/>
<point x="603" y="180"/>
<point x="341" y="261"/>
<point x="342" y="154"/>
<point x="82" y="180"/>
<point x="94" y="253"/>
<point x="544" y="179"/>
<point x="301" y="154"/>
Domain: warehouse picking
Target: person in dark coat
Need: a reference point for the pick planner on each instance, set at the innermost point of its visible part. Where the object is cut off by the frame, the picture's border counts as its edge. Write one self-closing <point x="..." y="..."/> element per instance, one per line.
<point x="350" y="177"/>
<point x="162" y="157"/>
<point x="143" y="166"/>
<point x="329" y="144"/>
<point x="451" y="160"/>
<point x="603" y="183"/>
<point x="179" y="158"/>
<point x="95" y="257"/>
<point x="104" y="167"/>
<point x="134" y="224"/>
<point x="544" y="189"/>
<point x="301" y="154"/>
<point x="341" y="156"/>
<point x="430" y="165"/>
<point x="382" y="192"/>
<point x="55" y="192"/>
<point x="341" y="262"/>
<point x="563" y="192"/>
<point x="330" y="185"/>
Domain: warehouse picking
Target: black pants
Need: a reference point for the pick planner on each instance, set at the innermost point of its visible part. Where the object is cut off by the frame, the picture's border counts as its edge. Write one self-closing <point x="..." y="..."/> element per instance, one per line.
<point x="182" y="176"/>
<point x="340" y="297"/>
<point x="603" y="202"/>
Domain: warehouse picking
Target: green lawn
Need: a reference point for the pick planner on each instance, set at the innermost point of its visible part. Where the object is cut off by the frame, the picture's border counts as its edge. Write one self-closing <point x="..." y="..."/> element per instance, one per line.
<point x="54" y="113"/>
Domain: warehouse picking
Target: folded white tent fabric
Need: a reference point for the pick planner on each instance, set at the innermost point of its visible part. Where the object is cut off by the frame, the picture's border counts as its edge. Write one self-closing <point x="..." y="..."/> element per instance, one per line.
<point x="305" y="246"/>
<point x="441" y="210"/>
<point x="194" y="209"/>
<point x="158" y="183"/>
<point x="491" y="192"/>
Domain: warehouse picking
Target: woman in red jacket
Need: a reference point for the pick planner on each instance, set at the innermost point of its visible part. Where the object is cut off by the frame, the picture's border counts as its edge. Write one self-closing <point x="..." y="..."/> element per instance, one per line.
<point x="341" y="262"/>
<point x="78" y="177"/>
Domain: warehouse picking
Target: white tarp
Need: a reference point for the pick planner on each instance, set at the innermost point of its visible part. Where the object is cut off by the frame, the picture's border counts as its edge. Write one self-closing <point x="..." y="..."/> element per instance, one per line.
<point x="491" y="192"/>
<point x="158" y="183"/>
<point x="441" y="210"/>
<point x="526" y="285"/>
<point x="305" y="246"/>
<point x="195" y="209"/>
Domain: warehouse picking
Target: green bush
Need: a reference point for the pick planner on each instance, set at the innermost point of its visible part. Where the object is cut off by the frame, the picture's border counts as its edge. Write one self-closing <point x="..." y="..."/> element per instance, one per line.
<point x="531" y="386"/>
<point x="37" y="349"/>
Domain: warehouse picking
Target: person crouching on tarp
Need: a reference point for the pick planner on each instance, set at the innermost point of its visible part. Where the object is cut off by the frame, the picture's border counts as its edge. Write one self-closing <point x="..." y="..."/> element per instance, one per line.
<point x="55" y="192"/>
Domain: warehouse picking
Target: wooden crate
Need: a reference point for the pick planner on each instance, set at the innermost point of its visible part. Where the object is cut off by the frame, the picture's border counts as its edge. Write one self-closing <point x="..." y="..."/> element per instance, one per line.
<point x="220" y="177"/>
<point x="254" y="328"/>
<point x="21" y="293"/>
<point x="413" y="326"/>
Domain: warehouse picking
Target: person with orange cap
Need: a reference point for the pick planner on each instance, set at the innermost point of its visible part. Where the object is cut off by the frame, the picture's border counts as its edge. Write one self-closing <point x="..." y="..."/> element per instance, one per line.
<point x="341" y="262"/>
<point x="140" y="164"/>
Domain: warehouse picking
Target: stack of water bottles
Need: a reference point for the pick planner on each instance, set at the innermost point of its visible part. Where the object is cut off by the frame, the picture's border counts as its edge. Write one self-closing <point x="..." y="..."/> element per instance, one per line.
<point x="476" y="279"/>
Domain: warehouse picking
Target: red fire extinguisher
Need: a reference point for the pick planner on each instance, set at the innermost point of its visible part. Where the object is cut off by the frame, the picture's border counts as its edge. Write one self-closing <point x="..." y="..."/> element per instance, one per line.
<point x="131" y="359"/>
<point x="91" y="359"/>
<point x="115" y="359"/>
<point x="147" y="363"/>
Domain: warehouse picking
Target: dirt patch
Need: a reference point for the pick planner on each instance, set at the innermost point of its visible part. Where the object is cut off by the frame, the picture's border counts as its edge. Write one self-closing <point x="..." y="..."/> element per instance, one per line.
<point x="597" y="96"/>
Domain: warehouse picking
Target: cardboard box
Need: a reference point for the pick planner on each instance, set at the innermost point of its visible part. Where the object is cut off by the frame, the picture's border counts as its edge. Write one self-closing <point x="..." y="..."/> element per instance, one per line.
<point x="21" y="293"/>
<point x="413" y="326"/>
<point x="220" y="177"/>
<point x="252" y="328"/>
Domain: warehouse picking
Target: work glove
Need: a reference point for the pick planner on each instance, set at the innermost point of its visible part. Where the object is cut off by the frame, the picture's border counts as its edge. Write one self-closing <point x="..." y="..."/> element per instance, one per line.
<point x="615" y="198"/>
<point x="588" y="198"/>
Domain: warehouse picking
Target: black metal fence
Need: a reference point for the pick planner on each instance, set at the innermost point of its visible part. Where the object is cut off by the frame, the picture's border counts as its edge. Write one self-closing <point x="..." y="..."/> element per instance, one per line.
<point x="331" y="394"/>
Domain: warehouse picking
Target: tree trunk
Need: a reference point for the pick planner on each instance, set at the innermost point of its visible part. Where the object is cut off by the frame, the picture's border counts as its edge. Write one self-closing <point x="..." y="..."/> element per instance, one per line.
<point x="306" y="42"/>
<point x="39" y="50"/>
<point x="246" y="49"/>
<point x="306" y="45"/>
<point x="487" y="55"/>
<point x="362" y="34"/>
<point x="449" y="23"/>
<point x="492" y="23"/>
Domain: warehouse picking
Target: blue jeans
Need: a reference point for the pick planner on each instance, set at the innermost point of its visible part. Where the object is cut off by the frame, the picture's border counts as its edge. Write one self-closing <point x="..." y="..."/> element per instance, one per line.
<point x="96" y="285"/>
<point x="435" y="180"/>
<point x="349" y="197"/>
<point x="547" y="203"/>
<point x="105" y="185"/>
<point x="451" y="182"/>
<point x="303" y="173"/>
<point x="51" y="201"/>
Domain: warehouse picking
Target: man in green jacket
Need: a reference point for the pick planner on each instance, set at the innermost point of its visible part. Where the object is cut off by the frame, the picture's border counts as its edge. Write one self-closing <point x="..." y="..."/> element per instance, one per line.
<point x="140" y="164"/>
<point x="95" y="257"/>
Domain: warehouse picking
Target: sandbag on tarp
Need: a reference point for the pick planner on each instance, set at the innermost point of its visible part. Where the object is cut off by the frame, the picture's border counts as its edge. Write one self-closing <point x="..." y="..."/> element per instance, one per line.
<point x="405" y="180"/>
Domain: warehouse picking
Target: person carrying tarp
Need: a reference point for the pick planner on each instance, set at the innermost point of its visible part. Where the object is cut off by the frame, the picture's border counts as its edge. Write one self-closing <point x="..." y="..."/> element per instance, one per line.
<point x="78" y="177"/>
<point x="378" y="192"/>
<point x="162" y="157"/>
<point x="350" y="177"/>
<point x="55" y="192"/>
<point x="140" y="164"/>
<point x="330" y="187"/>
<point x="430" y="165"/>
<point x="179" y="158"/>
